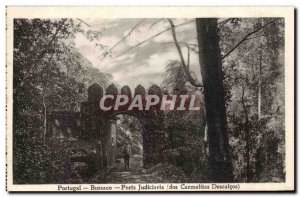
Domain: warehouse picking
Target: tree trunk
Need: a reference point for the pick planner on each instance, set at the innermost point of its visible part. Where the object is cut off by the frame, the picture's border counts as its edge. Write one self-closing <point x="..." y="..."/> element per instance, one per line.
<point x="214" y="95"/>
<point x="259" y="79"/>
<point x="259" y="89"/>
<point x="247" y="132"/>
<point x="45" y="119"/>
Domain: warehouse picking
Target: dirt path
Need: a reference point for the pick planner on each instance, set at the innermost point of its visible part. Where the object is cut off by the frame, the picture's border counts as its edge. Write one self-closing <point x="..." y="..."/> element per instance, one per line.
<point x="135" y="174"/>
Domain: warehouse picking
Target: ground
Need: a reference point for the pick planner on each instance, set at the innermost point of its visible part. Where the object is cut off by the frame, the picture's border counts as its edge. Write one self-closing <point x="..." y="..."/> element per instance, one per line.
<point x="161" y="173"/>
<point x="135" y="173"/>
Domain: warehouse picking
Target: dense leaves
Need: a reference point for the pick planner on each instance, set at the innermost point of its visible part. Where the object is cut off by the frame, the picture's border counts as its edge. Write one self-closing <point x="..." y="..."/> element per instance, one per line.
<point x="49" y="75"/>
<point x="185" y="142"/>
<point x="254" y="80"/>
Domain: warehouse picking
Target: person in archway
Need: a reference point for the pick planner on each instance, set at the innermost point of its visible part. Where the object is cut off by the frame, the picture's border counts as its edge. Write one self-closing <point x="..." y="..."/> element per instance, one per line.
<point x="126" y="154"/>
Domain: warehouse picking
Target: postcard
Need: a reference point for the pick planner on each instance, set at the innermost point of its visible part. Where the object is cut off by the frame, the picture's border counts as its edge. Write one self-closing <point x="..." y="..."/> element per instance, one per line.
<point x="150" y="99"/>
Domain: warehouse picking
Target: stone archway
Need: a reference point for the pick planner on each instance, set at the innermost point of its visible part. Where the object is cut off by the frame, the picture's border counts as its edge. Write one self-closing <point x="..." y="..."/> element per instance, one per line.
<point x="99" y="124"/>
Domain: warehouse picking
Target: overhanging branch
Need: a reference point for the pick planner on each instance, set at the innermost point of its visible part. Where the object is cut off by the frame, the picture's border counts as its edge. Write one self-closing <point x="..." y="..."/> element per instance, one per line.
<point x="193" y="81"/>
<point x="150" y="38"/>
<point x="246" y="38"/>
<point x="128" y="34"/>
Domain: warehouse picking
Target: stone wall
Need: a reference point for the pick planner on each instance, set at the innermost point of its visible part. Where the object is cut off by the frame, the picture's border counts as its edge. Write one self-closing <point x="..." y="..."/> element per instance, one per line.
<point x="63" y="124"/>
<point x="92" y="124"/>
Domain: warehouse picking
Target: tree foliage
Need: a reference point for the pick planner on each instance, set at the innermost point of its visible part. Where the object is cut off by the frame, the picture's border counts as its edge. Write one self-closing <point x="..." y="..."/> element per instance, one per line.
<point x="49" y="75"/>
<point x="254" y="80"/>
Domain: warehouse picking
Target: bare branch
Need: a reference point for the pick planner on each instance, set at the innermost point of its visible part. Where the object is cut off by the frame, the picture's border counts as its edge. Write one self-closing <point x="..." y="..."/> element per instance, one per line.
<point x="184" y="43"/>
<point x="153" y="24"/>
<point x="247" y="36"/>
<point x="185" y="66"/>
<point x="194" y="50"/>
<point x="123" y="38"/>
<point x="176" y="42"/>
<point x="150" y="38"/>
<point x="254" y="37"/>
<point x="84" y="22"/>
<point x="187" y="45"/>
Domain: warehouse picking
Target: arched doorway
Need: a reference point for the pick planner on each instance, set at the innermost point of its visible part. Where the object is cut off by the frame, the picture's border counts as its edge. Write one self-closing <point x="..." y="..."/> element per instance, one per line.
<point x="129" y="131"/>
<point x="102" y="124"/>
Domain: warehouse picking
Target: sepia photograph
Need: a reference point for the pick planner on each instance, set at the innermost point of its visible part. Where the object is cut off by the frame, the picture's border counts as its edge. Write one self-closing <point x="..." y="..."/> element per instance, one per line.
<point x="150" y="102"/>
